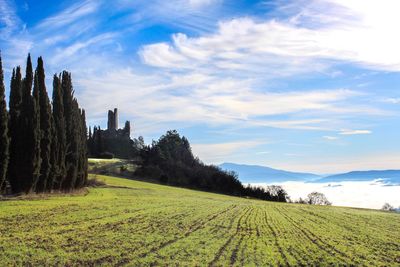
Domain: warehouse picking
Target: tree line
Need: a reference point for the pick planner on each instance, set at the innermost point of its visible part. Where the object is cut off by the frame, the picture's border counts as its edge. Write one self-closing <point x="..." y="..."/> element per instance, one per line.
<point x="42" y="142"/>
<point x="170" y="161"/>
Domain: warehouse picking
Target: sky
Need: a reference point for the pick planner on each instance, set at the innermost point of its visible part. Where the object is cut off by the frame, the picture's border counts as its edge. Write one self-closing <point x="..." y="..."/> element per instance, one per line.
<point x="304" y="85"/>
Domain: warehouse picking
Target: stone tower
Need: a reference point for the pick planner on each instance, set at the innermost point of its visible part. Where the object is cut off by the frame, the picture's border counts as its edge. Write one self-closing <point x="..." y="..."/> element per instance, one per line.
<point x="116" y="118"/>
<point x="112" y="123"/>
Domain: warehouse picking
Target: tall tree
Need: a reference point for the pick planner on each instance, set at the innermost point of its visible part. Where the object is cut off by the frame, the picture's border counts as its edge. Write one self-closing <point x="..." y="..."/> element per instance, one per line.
<point x="45" y="129"/>
<point x="33" y="136"/>
<point x="27" y="135"/>
<point x="83" y="157"/>
<point x="72" y="142"/>
<point x="60" y="135"/>
<point x="4" y="138"/>
<point x="15" y="106"/>
<point x="48" y="146"/>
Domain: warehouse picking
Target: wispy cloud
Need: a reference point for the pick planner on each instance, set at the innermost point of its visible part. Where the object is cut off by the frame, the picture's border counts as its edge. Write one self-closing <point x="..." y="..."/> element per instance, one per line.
<point x="345" y="163"/>
<point x="69" y="15"/>
<point x="331" y="138"/>
<point x="9" y="21"/>
<point x="354" y="132"/>
<point x="212" y="101"/>
<point x="202" y="3"/>
<point x="392" y="100"/>
<point x="246" y="44"/>
<point x="219" y="70"/>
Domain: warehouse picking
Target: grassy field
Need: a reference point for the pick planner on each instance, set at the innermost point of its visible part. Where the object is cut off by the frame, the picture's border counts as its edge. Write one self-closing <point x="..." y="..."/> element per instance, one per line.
<point x="138" y="224"/>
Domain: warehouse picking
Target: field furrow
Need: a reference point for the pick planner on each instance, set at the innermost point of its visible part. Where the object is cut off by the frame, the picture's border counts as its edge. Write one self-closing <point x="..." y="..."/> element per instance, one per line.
<point x="134" y="223"/>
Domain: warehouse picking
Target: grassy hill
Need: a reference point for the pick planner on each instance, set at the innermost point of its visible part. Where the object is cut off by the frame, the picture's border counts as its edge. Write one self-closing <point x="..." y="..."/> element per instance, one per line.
<point x="137" y="223"/>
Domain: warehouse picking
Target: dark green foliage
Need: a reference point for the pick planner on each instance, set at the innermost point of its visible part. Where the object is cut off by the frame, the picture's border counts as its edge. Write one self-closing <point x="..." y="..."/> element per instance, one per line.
<point x="96" y="143"/>
<point x="16" y="157"/>
<point x="71" y="158"/>
<point x="170" y="160"/>
<point x="45" y="130"/>
<point x="48" y="146"/>
<point x="54" y="168"/>
<point x="25" y="132"/>
<point x="14" y="113"/>
<point x="272" y="193"/>
<point x="59" y="138"/>
<point x="75" y="134"/>
<point x="33" y="137"/>
<point x="83" y="157"/>
<point x="4" y="138"/>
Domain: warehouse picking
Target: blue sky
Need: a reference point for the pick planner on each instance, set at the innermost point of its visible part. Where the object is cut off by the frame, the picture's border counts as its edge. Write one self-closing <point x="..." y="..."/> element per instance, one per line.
<point x="301" y="85"/>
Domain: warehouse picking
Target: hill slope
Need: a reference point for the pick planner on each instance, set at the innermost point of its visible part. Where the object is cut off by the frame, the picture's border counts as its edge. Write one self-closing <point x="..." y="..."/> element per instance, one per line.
<point x="262" y="174"/>
<point x="137" y="223"/>
<point x="391" y="176"/>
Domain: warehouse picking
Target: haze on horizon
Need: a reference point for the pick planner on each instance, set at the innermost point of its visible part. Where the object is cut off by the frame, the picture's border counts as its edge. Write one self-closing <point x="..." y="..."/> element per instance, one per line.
<point x="297" y="85"/>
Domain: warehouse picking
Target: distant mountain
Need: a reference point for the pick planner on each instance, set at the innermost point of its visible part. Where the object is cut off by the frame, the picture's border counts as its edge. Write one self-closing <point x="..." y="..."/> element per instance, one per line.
<point x="391" y="176"/>
<point x="261" y="174"/>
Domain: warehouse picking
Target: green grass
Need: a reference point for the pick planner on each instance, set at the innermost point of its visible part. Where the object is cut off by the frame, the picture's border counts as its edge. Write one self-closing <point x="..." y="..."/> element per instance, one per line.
<point x="137" y="224"/>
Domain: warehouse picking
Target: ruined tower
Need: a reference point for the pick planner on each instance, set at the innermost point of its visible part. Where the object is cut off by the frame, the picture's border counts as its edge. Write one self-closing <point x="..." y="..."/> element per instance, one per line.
<point x="110" y="122"/>
<point x="116" y="118"/>
<point x="113" y="140"/>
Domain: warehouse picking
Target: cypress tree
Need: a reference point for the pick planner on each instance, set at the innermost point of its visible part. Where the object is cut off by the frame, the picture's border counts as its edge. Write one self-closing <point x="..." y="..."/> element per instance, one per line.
<point x="83" y="163"/>
<point x="27" y="136"/>
<point x="53" y="156"/>
<point x="45" y="129"/>
<point x="59" y="143"/>
<point x="34" y="136"/>
<point x="25" y="148"/>
<point x="4" y="138"/>
<point x="15" y="106"/>
<point x="71" y="159"/>
<point x="48" y="147"/>
<point x="98" y="142"/>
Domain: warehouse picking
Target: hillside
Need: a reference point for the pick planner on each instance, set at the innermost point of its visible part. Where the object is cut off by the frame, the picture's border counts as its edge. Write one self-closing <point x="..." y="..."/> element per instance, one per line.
<point x="391" y="176"/>
<point x="136" y="223"/>
<point x="262" y="174"/>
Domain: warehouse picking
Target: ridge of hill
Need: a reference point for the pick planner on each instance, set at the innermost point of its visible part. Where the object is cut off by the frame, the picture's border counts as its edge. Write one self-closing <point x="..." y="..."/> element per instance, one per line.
<point x="262" y="174"/>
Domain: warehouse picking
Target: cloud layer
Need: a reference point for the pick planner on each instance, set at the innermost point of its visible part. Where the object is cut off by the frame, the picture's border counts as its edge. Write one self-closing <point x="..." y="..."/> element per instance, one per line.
<point x="291" y="70"/>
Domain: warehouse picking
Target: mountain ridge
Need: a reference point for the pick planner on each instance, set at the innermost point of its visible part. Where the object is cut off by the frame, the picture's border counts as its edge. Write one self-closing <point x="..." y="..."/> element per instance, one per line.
<point x="392" y="176"/>
<point x="263" y="174"/>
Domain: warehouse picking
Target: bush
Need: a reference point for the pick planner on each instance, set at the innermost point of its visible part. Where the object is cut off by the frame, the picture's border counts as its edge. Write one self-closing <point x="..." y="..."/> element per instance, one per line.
<point x="387" y="207"/>
<point x="316" y="198"/>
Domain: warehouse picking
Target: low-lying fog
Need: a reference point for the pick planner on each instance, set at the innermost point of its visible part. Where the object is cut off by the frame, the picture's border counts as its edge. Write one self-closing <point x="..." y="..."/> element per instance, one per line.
<point x="365" y="194"/>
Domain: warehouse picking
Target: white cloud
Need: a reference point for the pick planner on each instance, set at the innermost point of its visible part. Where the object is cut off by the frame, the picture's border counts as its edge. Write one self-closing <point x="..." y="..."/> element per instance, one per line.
<point x="392" y="100"/>
<point x="202" y="3"/>
<point x="243" y="43"/>
<point x="354" y="132"/>
<point x="70" y="52"/>
<point x="208" y="99"/>
<point x="328" y="164"/>
<point x="9" y="21"/>
<point x="69" y="15"/>
<point x="351" y="194"/>
<point x="328" y="137"/>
